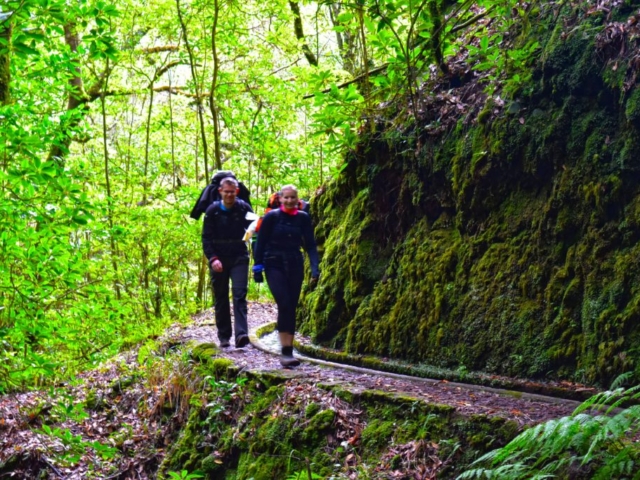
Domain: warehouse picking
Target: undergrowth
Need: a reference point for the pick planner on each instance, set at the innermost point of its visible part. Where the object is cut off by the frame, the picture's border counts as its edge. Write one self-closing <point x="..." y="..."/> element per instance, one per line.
<point x="598" y="441"/>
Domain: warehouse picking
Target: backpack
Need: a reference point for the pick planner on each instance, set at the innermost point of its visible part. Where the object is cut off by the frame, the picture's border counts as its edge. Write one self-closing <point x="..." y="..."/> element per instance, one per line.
<point x="210" y="194"/>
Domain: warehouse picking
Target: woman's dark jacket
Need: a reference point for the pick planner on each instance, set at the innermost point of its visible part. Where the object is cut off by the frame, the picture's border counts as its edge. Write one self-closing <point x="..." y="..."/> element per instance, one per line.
<point x="282" y="234"/>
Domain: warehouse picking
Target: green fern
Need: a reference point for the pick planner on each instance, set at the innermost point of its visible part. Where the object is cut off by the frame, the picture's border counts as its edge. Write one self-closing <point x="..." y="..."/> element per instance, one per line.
<point x="595" y="442"/>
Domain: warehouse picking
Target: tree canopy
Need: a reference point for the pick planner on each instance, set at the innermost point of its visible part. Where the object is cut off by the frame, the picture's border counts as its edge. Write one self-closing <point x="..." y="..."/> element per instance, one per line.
<point x="114" y="115"/>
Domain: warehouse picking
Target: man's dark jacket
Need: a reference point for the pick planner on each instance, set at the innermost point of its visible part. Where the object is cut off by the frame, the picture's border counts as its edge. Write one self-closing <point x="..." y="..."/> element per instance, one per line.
<point x="222" y="230"/>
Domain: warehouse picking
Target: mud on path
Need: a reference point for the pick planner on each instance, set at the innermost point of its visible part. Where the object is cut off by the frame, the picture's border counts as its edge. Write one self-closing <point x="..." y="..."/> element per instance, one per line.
<point x="121" y="430"/>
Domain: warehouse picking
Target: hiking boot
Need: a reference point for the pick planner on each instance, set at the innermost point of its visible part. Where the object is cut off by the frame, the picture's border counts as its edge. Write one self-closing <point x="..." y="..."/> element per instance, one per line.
<point x="242" y="341"/>
<point x="288" y="361"/>
<point x="225" y="343"/>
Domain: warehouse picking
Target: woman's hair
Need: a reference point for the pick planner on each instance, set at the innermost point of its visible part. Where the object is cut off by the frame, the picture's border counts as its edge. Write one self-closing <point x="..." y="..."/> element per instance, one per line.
<point x="289" y="187"/>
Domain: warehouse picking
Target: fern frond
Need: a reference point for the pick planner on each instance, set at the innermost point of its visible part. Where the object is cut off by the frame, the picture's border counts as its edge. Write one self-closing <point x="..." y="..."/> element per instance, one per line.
<point x="595" y="439"/>
<point x="475" y="473"/>
<point x="513" y="471"/>
<point x="593" y="402"/>
<point x="616" y="467"/>
<point x="621" y="379"/>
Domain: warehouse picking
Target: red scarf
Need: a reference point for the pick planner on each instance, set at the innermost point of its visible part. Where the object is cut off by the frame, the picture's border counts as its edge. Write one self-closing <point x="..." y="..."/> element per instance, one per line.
<point x="289" y="211"/>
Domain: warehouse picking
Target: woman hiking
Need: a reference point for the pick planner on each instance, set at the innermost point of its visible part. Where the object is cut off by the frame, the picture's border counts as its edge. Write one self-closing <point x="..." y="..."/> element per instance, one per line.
<point x="283" y="234"/>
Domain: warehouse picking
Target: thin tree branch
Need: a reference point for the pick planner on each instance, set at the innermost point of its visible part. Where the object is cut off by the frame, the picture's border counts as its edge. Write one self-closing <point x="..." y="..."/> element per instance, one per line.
<point x="163" y="48"/>
<point x="198" y="97"/>
<point x="165" y="68"/>
<point x="212" y="94"/>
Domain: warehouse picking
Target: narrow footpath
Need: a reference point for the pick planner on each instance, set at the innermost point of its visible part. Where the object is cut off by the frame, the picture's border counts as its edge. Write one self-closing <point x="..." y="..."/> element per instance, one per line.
<point x="112" y="421"/>
<point x="467" y="399"/>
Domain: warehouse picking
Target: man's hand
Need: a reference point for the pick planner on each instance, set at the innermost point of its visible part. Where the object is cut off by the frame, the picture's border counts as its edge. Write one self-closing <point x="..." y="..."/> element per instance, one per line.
<point x="216" y="265"/>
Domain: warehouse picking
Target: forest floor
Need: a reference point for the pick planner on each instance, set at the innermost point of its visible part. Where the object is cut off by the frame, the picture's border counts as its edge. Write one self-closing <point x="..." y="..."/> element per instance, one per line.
<point x="109" y="422"/>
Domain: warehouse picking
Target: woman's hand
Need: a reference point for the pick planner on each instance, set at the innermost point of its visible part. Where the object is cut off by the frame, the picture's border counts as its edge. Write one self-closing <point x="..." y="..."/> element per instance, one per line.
<point x="257" y="273"/>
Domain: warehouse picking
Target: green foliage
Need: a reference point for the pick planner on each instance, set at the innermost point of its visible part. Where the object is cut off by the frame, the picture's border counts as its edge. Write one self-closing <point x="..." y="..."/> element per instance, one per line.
<point x="97" y="254"/>
<point x="304" y="475"/>
<point x="75" y="446"/>
<point x="225" y="392"/>
<point x="595" y="442"/>
<point x="184" y="475"/>
<point x="336" y="113"/>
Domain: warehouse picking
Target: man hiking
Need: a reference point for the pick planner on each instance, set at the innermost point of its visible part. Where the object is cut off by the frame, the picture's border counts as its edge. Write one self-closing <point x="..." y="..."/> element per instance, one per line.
<point x="224" y="226"/>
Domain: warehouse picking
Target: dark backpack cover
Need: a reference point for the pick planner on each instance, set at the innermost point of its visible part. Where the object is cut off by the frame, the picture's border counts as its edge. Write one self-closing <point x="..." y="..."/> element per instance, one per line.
<point x="210" y="194"/>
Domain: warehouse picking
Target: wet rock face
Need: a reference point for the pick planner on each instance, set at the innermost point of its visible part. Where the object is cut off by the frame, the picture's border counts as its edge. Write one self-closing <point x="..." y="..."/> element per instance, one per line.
<point x="507" y="243"/>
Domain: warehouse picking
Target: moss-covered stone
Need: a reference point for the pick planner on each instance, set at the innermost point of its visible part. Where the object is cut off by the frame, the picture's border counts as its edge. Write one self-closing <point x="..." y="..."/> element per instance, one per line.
<point x="204" y="351"/>
<point x="274" y="433"/>
<point x="503" y="246"/>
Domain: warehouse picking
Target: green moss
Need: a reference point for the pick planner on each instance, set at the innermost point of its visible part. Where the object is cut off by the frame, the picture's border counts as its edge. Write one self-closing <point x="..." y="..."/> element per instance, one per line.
<point x="311" y="410"/>
<point x="632" y="107"/>
<point x="318" y="426"/>
<point x="497" y="246"/>
<point x="219" y="366"/>
<point x="378" y="434"/>
<point x="93" y="401"/>
<point x="261" y="467"/>
<point x="273" y="434"/>
<point x="203" y="352"/>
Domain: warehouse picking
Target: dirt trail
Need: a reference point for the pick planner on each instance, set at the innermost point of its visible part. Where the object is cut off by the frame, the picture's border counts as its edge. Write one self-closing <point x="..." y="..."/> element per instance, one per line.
<point x="472" y="400"/>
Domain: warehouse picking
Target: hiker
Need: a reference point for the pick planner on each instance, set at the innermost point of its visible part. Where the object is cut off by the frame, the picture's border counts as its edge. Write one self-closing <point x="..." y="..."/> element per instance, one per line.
<point x="273" y="202"/>
<point x="224" y="225"/>
<point x="211" y="193"/>
<point x="283" y="233"/>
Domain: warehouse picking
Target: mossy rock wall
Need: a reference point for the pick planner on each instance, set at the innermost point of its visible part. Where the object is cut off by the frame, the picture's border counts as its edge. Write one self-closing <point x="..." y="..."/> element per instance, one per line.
<point x="508" y="245"/>
<point x="270" y="427"/>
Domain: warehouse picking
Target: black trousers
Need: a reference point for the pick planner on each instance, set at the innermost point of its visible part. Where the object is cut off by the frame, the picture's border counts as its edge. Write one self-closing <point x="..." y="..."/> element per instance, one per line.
<point x="284" y="275"/>
<point x="236" y="270"/>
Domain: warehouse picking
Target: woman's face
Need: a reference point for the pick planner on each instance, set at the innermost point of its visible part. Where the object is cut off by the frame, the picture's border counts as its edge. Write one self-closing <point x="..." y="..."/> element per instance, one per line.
<point x="289" y="198"/>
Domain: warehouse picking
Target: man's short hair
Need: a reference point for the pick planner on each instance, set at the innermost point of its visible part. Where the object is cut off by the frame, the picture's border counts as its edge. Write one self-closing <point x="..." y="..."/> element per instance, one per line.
<point x="229" y="181"/>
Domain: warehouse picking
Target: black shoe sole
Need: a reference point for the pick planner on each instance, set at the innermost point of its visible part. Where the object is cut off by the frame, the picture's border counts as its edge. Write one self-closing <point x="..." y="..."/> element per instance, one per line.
<point x="242" y="341"/>
<point x="289" y="363"/>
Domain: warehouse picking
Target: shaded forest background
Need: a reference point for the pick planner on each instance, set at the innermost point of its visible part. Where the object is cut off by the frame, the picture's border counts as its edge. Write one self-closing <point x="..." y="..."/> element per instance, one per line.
<point x="114" y="115"/>
<point x="481" y="213"/>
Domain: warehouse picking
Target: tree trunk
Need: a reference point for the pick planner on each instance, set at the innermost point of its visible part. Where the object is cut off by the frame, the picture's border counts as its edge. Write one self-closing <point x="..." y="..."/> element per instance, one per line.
<point x="194" y="75"/>
<point x="76" y="99"/>
<point x="297" y="26"/>
<point x="212" y="94"/>
<point x="145" y="180"/>
<point x="5" y="76"/>
<point x="5" y="62"/>
<point x="346" y="42"/>
<point x="107" y="179"/>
